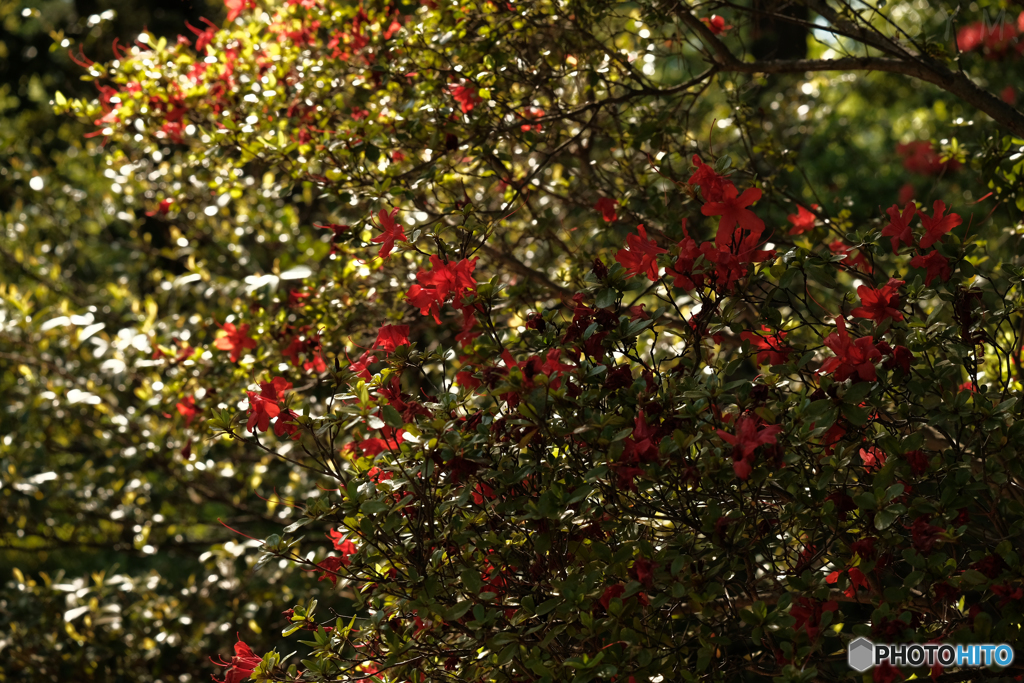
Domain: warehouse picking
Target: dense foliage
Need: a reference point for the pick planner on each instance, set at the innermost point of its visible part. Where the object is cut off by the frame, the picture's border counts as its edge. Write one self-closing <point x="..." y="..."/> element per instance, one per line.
<point x="525" y="342"/>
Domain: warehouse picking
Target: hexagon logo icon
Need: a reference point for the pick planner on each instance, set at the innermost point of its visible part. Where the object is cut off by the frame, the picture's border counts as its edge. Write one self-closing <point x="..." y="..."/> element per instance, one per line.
<point x="861" y="654"/>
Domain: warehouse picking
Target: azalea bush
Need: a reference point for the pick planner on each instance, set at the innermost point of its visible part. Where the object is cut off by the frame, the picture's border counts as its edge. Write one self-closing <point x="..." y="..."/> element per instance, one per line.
<point x="585" y="341"/>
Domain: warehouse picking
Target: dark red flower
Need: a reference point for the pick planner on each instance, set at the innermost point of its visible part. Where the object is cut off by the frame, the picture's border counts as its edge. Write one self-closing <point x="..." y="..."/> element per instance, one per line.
<point x="736" y="219"/>
<point x="346" y="547"/>
<point x="391" y="337"/>
<point x="640" y="255"/>
<point x="236" y="340"/>
<point x="770" y="348"/>
<point x="607" y="207"/>
<point x="242" y="665"/>
<point x="611" y="592"/>
<point x="748" y="436"/>
<point x="392" y="231"/>
<point x="802" y="220"/>
<point x="879" y="304"/>
<point x="934" y="264"/>
<point x="873" y="458"/>
<point x="187" y="409"/>
<point x="265" y="406"/>
<point x="716" y="24"/>
<point x="857" y="357"/>
<point x="712" y="186"/>
<point x="899" y="225"/>
<point x="937" y="225"/>
<point x="466" y="96"/>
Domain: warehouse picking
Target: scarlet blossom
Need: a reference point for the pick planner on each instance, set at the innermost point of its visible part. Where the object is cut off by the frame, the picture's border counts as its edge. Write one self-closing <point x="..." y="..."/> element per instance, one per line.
<point x="482" y="493"/>
<point x="937" y="225"/>
<point x="346" y="547"/>
<point x="392" y="336"/>
<point x="531" y="114"/>
<point x="808" y="612"/>
<point x="899" y="225"/>
<point x="918" y="461"/>
<point x="683" y="269"/>
<point x="712" y="186"/>
<point x="1008" y="594"/>
<point x="643" y="571"/>
<point x="864" y="547"/>
<point x="921" y="157"/>
<point x="440" y="283"/>
<point x="204" y="37"/>
<point x="235" y="7"/>
<point x="858" y="357"/>
<point x="857" y="580"/>
<point x="925" y="536"/>
<point x="328" y="569"/>
<point x="265" y="406"/>
<point x="610" y="593"/>
<point x="187" y="409"/>
<point x="802" y="220"/>
<point x="879" y="304"/>
<point x="770" y="348"/>
<point x="934" y="264"/>
<point x="716" y="24"/>
<point x="748" y="436"/>
<point x="640" y="255"/>
<point x="466" y="96"/>
<point x="873" y="458"/>
<point x="607" y="207"/>
<point x="163" y="207"/>
<point x="735" y="219"/>
<point x="641" y="445"/>
<point x="392" y="231"/>
<point x="285" y="425"/>
<point x="1008" y="94"/>
<point x="235" y="340"/>
<point x="241" y="666"/>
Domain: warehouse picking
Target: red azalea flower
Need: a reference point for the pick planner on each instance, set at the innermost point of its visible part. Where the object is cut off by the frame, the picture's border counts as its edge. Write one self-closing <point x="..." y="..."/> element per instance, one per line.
<point x="611" y="592"/>
<point x="392" y="336"/>
<point x="235" y="7"/>
<point x="937" y="225"/>
<point x="466" y="96"/>
<point x="857" y="357"/>
<point x="328" y="569"/>
<point x="873" y="458"/>
<point x="241" y="666"/>
<point x="716" y="24"/>
<point x="735" y="219"/>
<point x="934" y="264"/>
<point x="640" y="255"/>
<point x="265" y="406"/>
<point x="899" y="225"/>
<point x="236" y="340"/>
<point x="879" y="304"/>
<point x="392" y="231"/>
<point x="802" y="220"/>
<point x="770" y="348"/>
<point x="346" y="547"/>
<point x="187" y="409"/>
<point x="712" y="186"/>
<point x="285" y="425"/>
<point x="607" y="208"/>
<point x="745" y="441"/>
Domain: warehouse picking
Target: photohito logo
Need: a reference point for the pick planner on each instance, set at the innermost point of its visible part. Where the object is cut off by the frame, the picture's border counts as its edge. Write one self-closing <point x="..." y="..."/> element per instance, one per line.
<point x="862" y="654"/>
